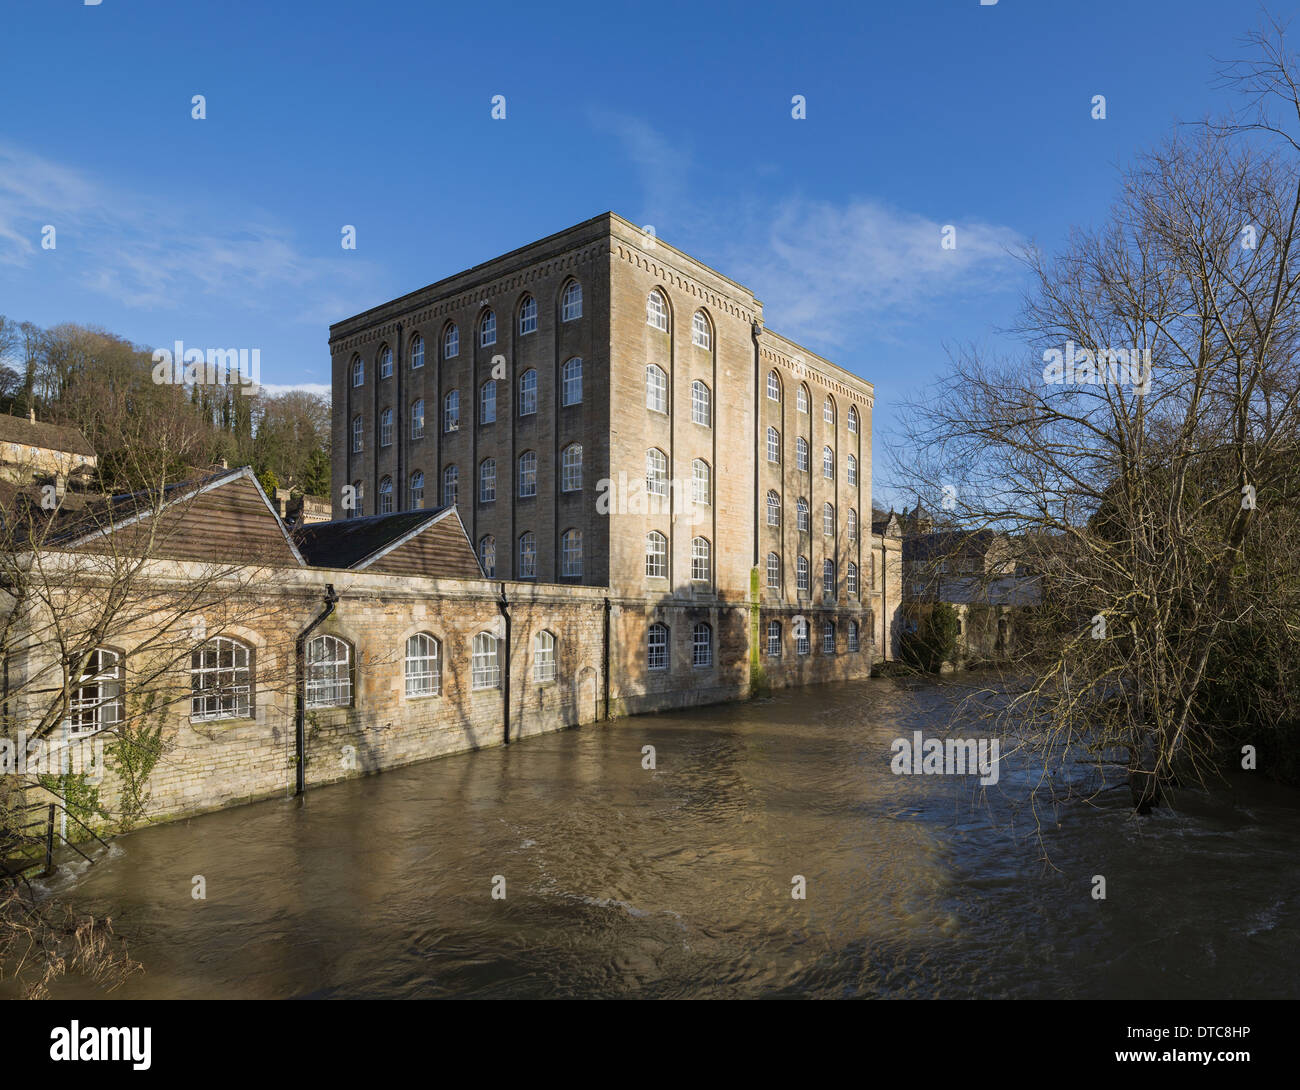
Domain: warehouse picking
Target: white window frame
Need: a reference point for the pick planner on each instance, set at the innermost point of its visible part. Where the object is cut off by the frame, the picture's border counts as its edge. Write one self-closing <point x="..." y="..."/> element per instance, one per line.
<point x="656" y="388"/>
<point x="656" y="555"/>
<point x="702" y="648"/>
<point x="528" y="392"/>
<point x="656" y="311"/>
<point x="571" y="376"/>
<point x="571" y="553"/>
<point x="528" y="474"/>
<point x="101" y="682"/>
<point x="701" y="331"/>
<point x="485" y="663"/>
<point x="329" y="672"/>
<point x="487" y="480"/>
<point x="571" y="468"/>
<point x="656" y="642"/>
<point x="544" y="656"/>
<point x="487" y="402"/>
<point x="571" y="302"/>
<point x="224" y="689"/>
<point x="701" y="404"/>
<point x="527" y="316"/>
<point x="701" y="560"/>
<point x="487" y="329"/>
<point x="422" y="666"/>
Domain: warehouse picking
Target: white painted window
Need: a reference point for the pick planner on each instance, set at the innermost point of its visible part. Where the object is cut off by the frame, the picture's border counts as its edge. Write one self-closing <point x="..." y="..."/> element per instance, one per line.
<point x="528" y="316"/>
<point x="701" y="331"/>
<point x="701" y="482"/>
<point x="528" y="473"/>
<point x="544" y="656"/>
<point x="773" y="571"/>
<point x="528" y="393"/>
<point x="485" y="663"/>
<point x="774" y="639"/>
<point x="329" y="672"/>
<point x="423" y="665"/>
<point x="450" y="486"/>
<point x="571" y="553"/>
<point x="358" y="434"/>
<point x="487" y="555"/>
<point x="773" y="386"/>
<point x="487" y="402"/>
<point x="358" y="372"/>
<point x="451" y="342"/>
<point x="571" y="468"/>
<point x="571" y="304"/>
<point x="221" y="682"/>
<point x="773" y="445"/>
<point x="487" y="330"/>
<point x="417" y="490"/>
<point x="386" y="496"/>
<point x="828" y="463"/>
<point x="701" y="404"/>
<point x="701" y="560"/>
<point x="451" y="411"/>
<point x="386" y="428"/>
<point x="527" y="555"/>
<point x="417" y="353"/>
<point x="657" y="647"/>
<point x="656" y="555"/>
<point x="385" y="362"/>
<point x="656" y="472"/>
<point x="656" y="311"/>
<point x="571" y="377"/>
<point x="801" y="576"/>
<point x="773" y="508"/>
<point x="701" y="645"/>
<point x="828" y="638"/>
<point x="97" y="699"/>
<point x="417" y="419"/>
<point x="487" y="480"/>
<point x="656" y="389"/>
<point x="801" y="454"/>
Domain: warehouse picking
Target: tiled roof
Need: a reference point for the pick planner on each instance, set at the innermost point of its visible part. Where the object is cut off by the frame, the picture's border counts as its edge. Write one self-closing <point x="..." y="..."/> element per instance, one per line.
<point x="29" y="433"/>
<point x="344" y="543"/>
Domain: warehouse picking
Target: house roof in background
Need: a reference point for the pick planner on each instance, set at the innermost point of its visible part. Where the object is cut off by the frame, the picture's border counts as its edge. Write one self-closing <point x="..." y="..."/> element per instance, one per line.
<point x="36" y="433"/>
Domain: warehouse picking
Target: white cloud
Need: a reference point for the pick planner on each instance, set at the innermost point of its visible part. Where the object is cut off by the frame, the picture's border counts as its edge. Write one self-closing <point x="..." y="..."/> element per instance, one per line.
<point x="275" y="389"/>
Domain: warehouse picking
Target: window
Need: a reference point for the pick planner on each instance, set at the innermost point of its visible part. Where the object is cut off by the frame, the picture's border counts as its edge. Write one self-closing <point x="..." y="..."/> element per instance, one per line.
<point x="828" y="578"/>
<point x="571" y="376"/>
<point x="485" y="665"/>
<point x="853" y="420"/>
<point x="700" y="566"/>
<point x="487" y="402"/>
<point x="828" y="637"/>
<point x="853" y="524"/>
<point x="656" y="389"/>
<point x="801" y="515"/>
<point x="386" y="496"/>
<point x="571" y="468"/>
<point x="528" y="316"/>
<point x="828" y="412"/>
<point x="773" y="509"/>
<point x="358" y="434"/>
<point x="417" y="353"/>
<point x="851" y="580"/>
<point x="544" y="656"/>
<point x="656" y="646"/>
<point x="451" y="342"/>
<point x="656" y="472"/>
<point x="828" y="520"/>
<point x="828" y="463"/>
<point x="853" y="470"/>
<point x="656" y="555"/>
<point x="451" y="411"/>
<point x="571" y="304"/>
<point x="423" y="665"/>
<point x="801" y="575"/>
<point x="773" y="386"/>
<point x="487" y="555"/>
<point x="701" y="333"/>
<point x="801" y="399"/>
<point x="701" y="645"/>
<point x="450" y="486"/>
<point x="359" y="497"/>
<point x="801" y="638"/>
<point x="773" y="445"/>
<point x="801" y="454"/>
<point x="417" y="490"/>
<point x="853" y="636"/>
<point x="386" y="428"/>
<point x="329" y="672"/>
<point x="487" y="480"/>
<point x="700" y="482"/>
<point x="487" y="330"/>
<point x="701" y="404"/>
<point x="571" y="553"/>
<point x="774" y="639"/>
<point x="773" y="571"/>
<point x="97" y="699"/>
<point x="358" y="372"/>
<point x="527" y="555"/>
<point x="528" y="393"/>
<point x="221" y="684"/>
<point x="385" y="362"/>
<point x="656" y="311"/>
<point x="528" y="473"/>
<point x="417" y="419"/>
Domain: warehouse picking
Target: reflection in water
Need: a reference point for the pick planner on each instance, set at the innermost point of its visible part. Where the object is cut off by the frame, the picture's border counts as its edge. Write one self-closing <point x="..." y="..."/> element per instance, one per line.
<point x="676" y="882"/>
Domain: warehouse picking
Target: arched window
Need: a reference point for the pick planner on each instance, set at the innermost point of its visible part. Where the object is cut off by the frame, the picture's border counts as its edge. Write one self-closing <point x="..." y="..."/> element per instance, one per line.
<point x="828" y="412"/>
<point x="701" y="404"/>
<point x="528" y="474"/>
<point x="487" y="329"/>
<point x="487" y="555"/>
<point x="571" y="468"/>
<point x="544" y="656"/>
<point x="485" y="665"/>
<point x="801" y="399"/>
<point x="853" y="524"/>
<point x="358" y="434"/>
<point x="571" y="303"/>
<point x="801" y="638"/>
<point x="656" y="472"/>
<point x="853" y="420"/>
<point x="773" y="386"/>
<point x="451" y="342"/>
<point x="423" y="665"/>
<point x="97" y="698"/>
<point x="386" y="496"/>
<point x="801" y="515"/>
<point x="487" y="402"/>
<point x="451" y="411"/>
<point x="656" y="389"/>
<point x="828" y="637"/>
<point x="828" y="519"/>
<point x="854" y="643"/>
<point x="828" y="578"/>
<point x="773" y="571"/>
<point x="487" y="480"/>
<point x="417" y="419"/>
<point x="701" y="645"/>
<point x="571" y="377"/>
<point x="701" y="566"/>
<point x="417" y="352"/>
<point x="385" y="362"/>
<point x="528" y="393"/>
<point x="773" y="445"/>
<point x="801" y="575"/>
<point x="656" y="555"/>
<point x="571" y="553"/>
<point x="774" y="639"/>
<point x="527" y="555"/>
<point x="329" y="672"/>
<point x="773" y="508"/>
<point x="657" y="647"/>
<point x="528" y="316"/>
<point x="853" y="470"/>
<point x="828" y="463"/>
<point x="701" y="331"/>
<point x="417" y="490"/>
<point x="450" y="486"/>
<point x="801" y="454"/>
<point x="358" y="371"/>
<point x="358" y="500"/>
<point x="851" y="580"/>
<point x="221" y="681"/>
<point x="386" y="428"/>
<point x="656" y="311"/>
<point x="701" y="484"/>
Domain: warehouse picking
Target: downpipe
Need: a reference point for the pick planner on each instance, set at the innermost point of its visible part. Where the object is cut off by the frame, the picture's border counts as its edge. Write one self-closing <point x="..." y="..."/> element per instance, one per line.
<point x="300" y="712"/>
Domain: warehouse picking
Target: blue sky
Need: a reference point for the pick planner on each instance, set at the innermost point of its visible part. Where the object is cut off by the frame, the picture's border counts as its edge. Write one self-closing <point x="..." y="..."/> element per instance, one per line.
<point x="225" y="232"/>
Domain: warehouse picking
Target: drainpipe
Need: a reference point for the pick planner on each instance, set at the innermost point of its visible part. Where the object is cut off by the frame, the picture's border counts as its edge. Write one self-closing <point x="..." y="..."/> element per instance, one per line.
<point x="300" y="713"/>
<point x="605" y="659"/>
<point x="503" y="604"/>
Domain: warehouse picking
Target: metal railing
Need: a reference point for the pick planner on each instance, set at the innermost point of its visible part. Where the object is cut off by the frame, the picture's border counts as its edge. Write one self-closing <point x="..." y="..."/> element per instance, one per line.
<point x="23" y="843"/>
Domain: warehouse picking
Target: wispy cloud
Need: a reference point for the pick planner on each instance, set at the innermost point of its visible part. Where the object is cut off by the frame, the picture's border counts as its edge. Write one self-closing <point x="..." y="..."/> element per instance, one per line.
<point x="275" y="389"/>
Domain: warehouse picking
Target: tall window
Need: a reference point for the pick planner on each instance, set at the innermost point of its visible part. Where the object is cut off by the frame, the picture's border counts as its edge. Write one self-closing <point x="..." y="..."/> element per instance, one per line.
<point x="221" y="683"/>
<point x="773" y="445"/>
<point x="487" y="555"/>
<point x="773" y="571"/>
<point x="423" y="665"/>
<point x="801" y="575"/>
<point x="701" y="404"/>
<point x="801" y="639"/>
<point x="485" y="665"/>
<point x="828" y="637"/>
<point x="385" y="362"/>
<point x="358" y="434"/>
<point x="656" y="311"/>
<point x="700" y="560"/>
<point x="487" y="330"/>
<point x="774" y="639"/>
<point x="854" y="644"/>
<point x="853" y="524"/>
<point x="358" y="372"/>
<point x="853" y="470"/>
<point x="828" y="412"/>
<point x="701" y="645"/>
<point x="451" y="411"/>
<point x="571" y="304"/>
<point x="417" y="490"/>
<point x="527" y="555"/>
<point x="386" y="428"/>
<point x="417" y="419"/>
<point x="528" y="316"/>
<point x="853" y="420"/>
<point x="773" y="386"/>
<point x="773" y="509"/>
<point x="451" y="342"/>
<point x="329" y="672"/>
<point x="571" y="468"/>
<point x="571" y="553"/>
<point x="801" y="454"/>
<point x="358" y="500"/>
<point x="450" y="486"/>
<point x="528" y="393"/>
<point x="487" y="480"/>
<point x="544" y="656"/>
<point x="656" y="389"/>
<point x="657" y="647"/>
<point x="828" y="463"/>
<point x="487" y="402"/>
<point x="572" y="381"/>
<point x="656" y="472"/>
<point x="851" y="580"/>
<point x="656" y="555"/>
<point x="417" y="352"/>
<point x="528" y="473"/>
<point x="801" y="515"/>
<point x="828" y="520"/>
<point x="97" y="699"/>
<point x="828" y="578"/>
<point x="701" y="333"/>
<point x="701" y="485"/>
<point x="386" y="496"/>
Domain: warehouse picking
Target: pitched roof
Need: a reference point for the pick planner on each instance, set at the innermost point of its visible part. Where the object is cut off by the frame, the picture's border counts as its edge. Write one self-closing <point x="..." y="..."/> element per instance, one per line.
<point x="358" y="542"/>
<point x="36" y="433"/>
<point x="948" y="544"/>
